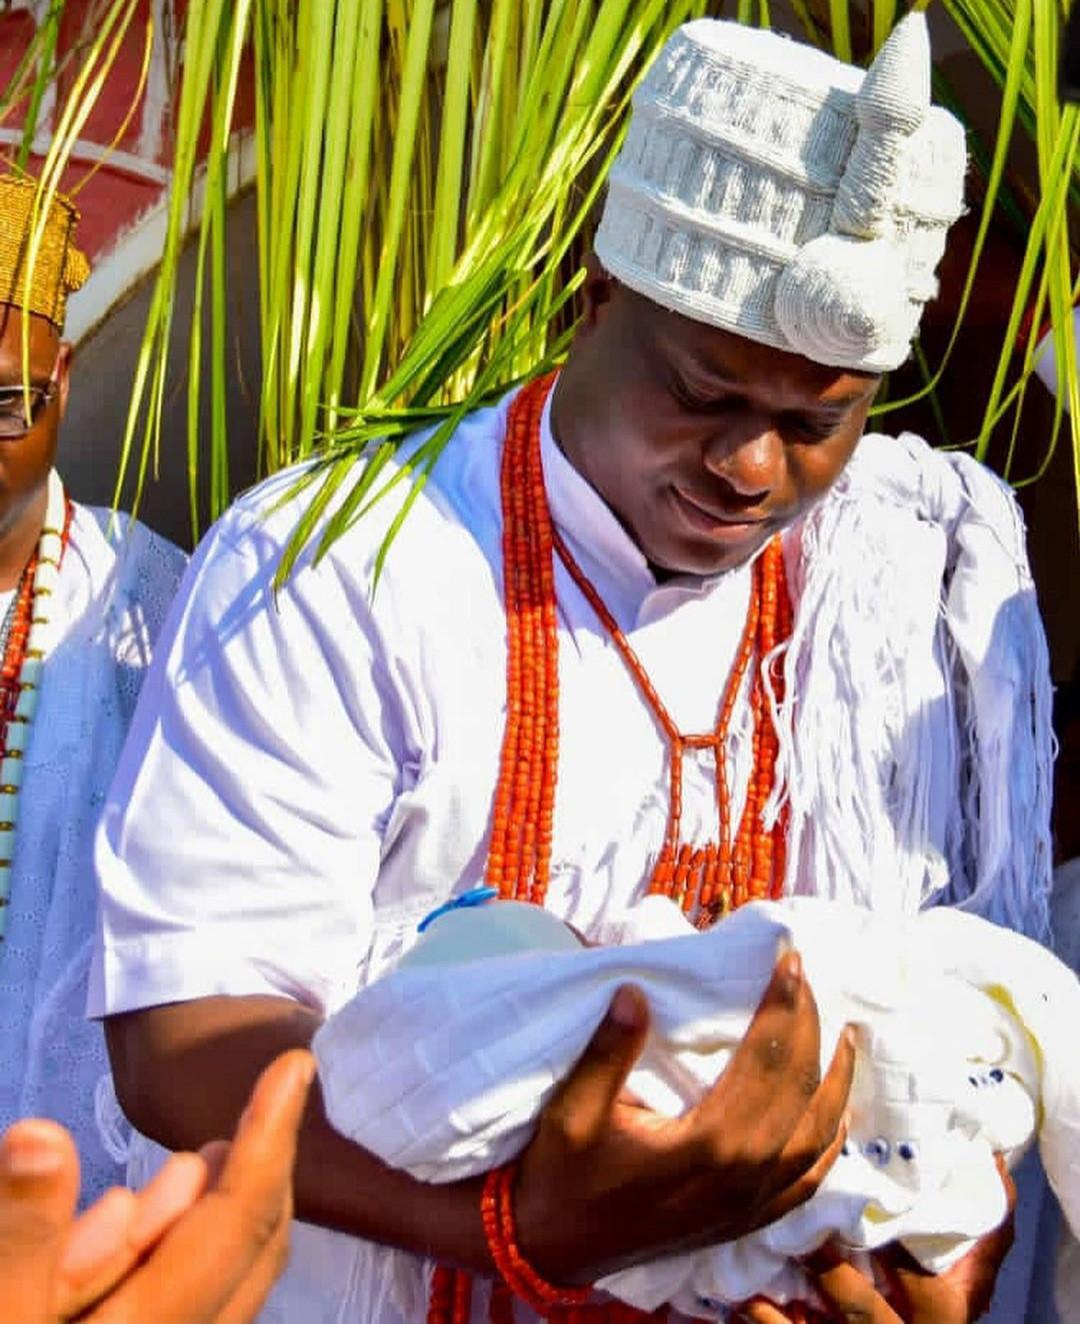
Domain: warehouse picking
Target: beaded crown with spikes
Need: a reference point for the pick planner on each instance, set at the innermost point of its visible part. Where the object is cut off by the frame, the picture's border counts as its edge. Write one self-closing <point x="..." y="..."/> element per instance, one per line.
<point x="58" y="268"/>
<point x="773" y="191"/>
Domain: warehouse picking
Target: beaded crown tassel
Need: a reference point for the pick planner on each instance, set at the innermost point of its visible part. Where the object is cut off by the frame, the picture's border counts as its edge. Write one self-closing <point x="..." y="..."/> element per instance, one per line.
<point x="706" y="880"/>
<point x="29" y="639"/>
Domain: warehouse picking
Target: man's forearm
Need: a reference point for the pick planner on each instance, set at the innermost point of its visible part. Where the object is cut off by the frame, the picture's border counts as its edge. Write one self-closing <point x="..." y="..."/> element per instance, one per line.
<point x="183" y="1074"/>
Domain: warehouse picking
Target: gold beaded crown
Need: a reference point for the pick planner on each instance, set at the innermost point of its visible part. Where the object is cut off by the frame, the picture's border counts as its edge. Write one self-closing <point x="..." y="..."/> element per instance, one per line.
<point x="59" y="267"/>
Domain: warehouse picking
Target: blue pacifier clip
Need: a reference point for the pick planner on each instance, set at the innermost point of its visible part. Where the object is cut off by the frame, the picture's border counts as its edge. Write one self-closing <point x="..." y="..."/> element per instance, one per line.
<point x="475" y="896"/>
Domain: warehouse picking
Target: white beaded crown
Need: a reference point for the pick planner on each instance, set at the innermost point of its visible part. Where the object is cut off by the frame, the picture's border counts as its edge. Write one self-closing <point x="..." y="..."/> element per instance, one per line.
<point x="771" y="190"/>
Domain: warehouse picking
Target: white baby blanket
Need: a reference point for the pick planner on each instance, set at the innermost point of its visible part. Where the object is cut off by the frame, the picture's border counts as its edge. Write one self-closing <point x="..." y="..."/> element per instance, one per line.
<point x="967" y="1037"/>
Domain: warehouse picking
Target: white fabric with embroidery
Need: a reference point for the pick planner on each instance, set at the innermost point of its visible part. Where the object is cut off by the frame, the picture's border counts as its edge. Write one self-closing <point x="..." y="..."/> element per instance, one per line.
<point x="111" y="597"/>
<point x="965" y="1039"/>
<point x="327" y="757"/>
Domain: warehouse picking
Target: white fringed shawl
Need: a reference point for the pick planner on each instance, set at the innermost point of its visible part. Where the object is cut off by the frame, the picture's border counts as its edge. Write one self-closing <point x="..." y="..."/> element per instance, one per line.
<point x="915" y="741"/>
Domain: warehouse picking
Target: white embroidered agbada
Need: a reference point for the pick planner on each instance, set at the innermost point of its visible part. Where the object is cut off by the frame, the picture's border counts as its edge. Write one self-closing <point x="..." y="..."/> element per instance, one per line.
<point x="111" y="598"/>
<point x="326" y="761"/>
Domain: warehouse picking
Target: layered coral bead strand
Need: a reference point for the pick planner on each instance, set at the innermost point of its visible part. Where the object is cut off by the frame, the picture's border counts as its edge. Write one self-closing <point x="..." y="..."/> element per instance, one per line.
<point x="450" y="1300"/>
<point x="520" y="853"/>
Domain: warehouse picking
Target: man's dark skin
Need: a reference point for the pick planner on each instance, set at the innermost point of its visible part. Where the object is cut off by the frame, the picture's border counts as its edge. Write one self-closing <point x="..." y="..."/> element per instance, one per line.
<point x="703" y="445"/>
<point x="25" y="461"/>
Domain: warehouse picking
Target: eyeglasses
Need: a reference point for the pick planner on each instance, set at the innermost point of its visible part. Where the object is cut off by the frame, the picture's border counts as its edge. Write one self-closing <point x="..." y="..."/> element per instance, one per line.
<point x="20" y="409"/>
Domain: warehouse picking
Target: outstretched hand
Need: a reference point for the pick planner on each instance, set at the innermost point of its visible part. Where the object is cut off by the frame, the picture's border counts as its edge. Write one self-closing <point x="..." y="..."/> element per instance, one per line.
<point x="204" y="1240"/>
<point x="606" y="1183"/>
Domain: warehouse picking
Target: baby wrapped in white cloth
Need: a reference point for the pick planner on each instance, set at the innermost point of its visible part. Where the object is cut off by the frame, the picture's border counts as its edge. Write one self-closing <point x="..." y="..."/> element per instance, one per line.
<point x="966" y="1048"/>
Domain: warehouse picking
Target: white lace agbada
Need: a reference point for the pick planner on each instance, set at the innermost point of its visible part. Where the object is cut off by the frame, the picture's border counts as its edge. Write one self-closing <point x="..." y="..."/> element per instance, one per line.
<point x="111" y="597"/>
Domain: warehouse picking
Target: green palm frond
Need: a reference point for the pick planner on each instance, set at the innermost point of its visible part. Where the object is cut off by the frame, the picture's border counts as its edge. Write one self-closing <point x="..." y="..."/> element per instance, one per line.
<point x="418" y="196"/>
<point x="1018" y="41"/>
<point x="425" y="176"/>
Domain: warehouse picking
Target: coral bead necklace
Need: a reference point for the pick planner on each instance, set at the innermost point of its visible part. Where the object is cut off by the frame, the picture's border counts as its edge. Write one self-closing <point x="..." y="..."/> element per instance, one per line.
<point x="28" y="642"/>
<point x="705" y="880"/>
<point x="708" y="880"/>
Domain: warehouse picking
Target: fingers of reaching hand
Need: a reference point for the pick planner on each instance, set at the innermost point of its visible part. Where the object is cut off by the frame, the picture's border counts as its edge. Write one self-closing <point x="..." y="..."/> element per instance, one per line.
<point x="258" y="1172"/>
<point x="108" y="1240"/>
<point x="39" y="1184"/>
<point x="217" y="1262"/>
<point x="252" y="1290"/>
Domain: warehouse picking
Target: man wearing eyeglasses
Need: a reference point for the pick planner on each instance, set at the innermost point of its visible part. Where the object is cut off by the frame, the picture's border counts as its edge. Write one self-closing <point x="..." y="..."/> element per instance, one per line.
<point x="22" y="406"/>
<point x="81" y="597"/>
<point x="30" y="415"/>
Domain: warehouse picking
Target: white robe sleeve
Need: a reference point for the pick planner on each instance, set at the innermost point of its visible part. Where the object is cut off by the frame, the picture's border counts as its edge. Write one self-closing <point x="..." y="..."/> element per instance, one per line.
<point x="241" y="839"/>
